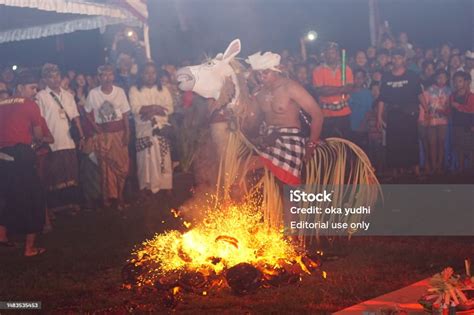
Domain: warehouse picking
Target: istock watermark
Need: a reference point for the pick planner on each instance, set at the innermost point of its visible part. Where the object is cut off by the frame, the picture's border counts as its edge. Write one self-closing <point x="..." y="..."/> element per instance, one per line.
<point x="397" y="210"/>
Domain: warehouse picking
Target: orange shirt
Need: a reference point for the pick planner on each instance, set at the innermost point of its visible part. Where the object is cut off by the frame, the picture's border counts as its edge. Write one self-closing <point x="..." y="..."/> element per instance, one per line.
<point x="323" y="75"/>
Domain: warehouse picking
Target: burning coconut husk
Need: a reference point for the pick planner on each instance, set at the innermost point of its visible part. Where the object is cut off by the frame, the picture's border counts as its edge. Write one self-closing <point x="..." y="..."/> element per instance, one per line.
<point x="231" y="248"/>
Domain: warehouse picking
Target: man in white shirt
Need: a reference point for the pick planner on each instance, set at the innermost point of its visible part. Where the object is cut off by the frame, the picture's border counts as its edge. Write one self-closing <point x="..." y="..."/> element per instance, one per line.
<point x="110" y="109"/>
<point x="59" y="110"/>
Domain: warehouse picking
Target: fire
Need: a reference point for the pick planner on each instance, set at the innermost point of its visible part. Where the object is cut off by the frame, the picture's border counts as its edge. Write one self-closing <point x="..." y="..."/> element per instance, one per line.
<point x="176" y="213"/>
<point x="176" y="290"/>
<point x="231" y="237"/>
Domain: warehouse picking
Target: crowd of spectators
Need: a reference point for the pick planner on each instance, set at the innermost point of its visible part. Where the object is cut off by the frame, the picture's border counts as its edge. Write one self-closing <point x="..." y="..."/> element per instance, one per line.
<point x="98" y="137"/>
<point x="444" y="122"/>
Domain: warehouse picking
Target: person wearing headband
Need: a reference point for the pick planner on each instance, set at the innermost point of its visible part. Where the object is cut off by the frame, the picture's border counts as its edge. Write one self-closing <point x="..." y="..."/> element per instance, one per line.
<point x="280" y="102"/>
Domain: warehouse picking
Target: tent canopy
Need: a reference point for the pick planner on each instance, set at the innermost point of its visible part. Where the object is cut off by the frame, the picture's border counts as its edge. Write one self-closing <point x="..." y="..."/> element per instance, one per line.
<point x="32" y="19"/>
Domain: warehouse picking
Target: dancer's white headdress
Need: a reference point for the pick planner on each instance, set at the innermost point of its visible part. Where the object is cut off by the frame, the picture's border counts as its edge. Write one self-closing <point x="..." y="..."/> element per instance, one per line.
<point x="266" y="61"/>
<point x="470" y="54"/>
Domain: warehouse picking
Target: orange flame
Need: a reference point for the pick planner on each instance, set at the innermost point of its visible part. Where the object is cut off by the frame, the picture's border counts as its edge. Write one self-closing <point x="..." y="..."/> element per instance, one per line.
<point x="226" y="237"/>
<point x="176" y="290"/>
<point x="176" y="213"/>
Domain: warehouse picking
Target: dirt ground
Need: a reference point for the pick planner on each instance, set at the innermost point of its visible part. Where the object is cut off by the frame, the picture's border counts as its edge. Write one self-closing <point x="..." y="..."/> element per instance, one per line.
<point x="81" y="272"/>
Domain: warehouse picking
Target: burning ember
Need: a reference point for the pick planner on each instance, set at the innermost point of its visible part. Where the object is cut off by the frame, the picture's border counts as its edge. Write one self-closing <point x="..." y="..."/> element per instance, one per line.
<point x="231" y="247"/>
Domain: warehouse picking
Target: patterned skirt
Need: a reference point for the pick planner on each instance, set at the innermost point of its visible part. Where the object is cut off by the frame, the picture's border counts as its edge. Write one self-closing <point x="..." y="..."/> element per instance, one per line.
<point x="283" y="155"/>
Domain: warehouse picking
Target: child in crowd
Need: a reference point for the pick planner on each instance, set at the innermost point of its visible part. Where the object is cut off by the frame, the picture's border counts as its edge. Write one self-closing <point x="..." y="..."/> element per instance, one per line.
<point x="437" y="96"/>
<point x="360" y="103"/>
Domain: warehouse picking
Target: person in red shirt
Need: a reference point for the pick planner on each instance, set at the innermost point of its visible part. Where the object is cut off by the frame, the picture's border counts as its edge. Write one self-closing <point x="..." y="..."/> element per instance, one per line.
<point x="20" y="128"/>
<point x="333" y="94"/>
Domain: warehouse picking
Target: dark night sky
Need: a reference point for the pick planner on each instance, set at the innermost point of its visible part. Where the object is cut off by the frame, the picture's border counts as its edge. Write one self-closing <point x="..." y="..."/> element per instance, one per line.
<point x="261" y="25"/>
<point x="277" y="24"/>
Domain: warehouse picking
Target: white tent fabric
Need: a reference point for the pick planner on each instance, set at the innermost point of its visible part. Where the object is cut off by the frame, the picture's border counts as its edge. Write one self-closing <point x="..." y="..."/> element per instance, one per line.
<point x="67" y="6"/>
<point x="85" y="16"/>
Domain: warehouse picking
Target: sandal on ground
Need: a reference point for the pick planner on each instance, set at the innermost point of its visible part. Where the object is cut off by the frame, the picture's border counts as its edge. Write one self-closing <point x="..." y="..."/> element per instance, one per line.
<point x="35" y="252"/>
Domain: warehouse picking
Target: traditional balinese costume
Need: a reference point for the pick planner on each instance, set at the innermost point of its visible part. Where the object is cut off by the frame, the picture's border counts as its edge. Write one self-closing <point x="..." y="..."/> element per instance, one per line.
<point x="154" y="165"/>
<point x="283" y="148"/>
<point x="109" y="111"/>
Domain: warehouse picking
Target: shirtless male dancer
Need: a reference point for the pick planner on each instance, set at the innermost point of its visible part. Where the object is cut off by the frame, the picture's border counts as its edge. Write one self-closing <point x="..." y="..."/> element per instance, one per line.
<point x="279" y="101"/>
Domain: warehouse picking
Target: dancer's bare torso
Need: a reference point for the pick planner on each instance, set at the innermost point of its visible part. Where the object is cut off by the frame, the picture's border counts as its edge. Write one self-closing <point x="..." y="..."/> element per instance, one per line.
<point x="277" y="106"/>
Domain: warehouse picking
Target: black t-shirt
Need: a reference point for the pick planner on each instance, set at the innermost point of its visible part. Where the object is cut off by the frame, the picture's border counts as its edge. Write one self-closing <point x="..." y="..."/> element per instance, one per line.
<point x="401" y="92"/>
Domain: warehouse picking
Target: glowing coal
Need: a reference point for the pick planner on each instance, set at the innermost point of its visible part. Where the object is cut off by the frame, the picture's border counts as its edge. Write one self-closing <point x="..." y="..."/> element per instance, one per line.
<point x="231" y="247"/>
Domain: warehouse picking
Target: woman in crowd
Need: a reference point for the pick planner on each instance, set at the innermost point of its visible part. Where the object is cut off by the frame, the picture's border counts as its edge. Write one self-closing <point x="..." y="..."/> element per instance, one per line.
<point x="81" y="89"/>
